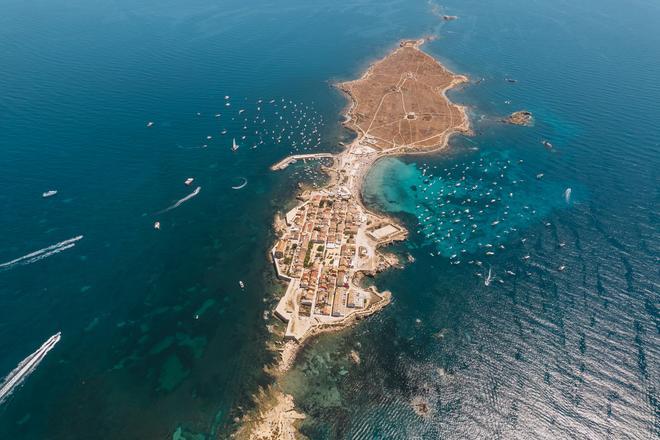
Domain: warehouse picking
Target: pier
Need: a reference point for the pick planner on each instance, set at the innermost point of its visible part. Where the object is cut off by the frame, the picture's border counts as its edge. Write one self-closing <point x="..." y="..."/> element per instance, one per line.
<point x="291" y="159"/>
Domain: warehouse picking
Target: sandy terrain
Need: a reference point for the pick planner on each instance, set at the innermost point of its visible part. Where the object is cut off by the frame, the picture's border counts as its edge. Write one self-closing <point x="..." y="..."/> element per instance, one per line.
<point x="400" y="101"/>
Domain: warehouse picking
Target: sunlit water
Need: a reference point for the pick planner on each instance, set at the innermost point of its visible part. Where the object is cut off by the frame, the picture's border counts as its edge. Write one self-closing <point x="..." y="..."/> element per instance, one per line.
<point x="562" y="341"/>
<point x="158" y="338"/>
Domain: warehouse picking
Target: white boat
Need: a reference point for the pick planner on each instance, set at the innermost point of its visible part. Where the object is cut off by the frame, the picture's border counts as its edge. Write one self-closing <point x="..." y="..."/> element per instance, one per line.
<point x="234" y="145"/>
<point x="157" y="225"/>
<point x="150" y="124"/>
<point x="488" y="278"/>
<point x="240" y="283"/>
<point x="567" y="195"/>
<point x="49" y="193"/>
<point x="189" y="180"/>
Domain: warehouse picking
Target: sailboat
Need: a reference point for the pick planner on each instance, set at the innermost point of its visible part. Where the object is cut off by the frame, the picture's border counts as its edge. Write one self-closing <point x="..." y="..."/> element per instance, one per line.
<point x="234" y="145"/>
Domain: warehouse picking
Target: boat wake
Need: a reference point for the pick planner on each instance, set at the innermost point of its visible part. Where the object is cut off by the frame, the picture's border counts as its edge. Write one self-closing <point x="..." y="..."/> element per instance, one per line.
<point x="196" y="147"/>
<point x="35" y="256"/>
<point x="25" y="367"/>
<point x="242" y="185"/>
<point x="183" y="200"/>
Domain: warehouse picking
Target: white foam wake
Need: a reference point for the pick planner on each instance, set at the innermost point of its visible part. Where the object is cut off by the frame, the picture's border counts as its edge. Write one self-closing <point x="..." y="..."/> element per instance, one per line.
<point x="26" y="366"/>
<point x="42" y="253"/>
<point x="186" y="198"/>
<point x="242" y="185"/>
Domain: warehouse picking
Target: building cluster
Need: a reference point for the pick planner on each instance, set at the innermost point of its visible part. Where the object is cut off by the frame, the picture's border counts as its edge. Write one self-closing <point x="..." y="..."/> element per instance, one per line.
<point x="319" y="249"/>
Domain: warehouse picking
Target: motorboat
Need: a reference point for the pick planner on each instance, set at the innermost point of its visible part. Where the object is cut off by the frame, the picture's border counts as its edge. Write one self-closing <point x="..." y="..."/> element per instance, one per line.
<point x="488" y="278"/>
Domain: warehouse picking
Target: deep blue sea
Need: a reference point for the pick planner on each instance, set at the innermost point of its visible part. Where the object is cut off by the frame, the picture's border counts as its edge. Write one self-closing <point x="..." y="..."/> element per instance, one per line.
<point x="159" y="340"/>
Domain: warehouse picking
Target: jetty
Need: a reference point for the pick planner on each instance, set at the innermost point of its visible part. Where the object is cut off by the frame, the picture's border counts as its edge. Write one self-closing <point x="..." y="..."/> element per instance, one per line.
<point x="292" y="159"/>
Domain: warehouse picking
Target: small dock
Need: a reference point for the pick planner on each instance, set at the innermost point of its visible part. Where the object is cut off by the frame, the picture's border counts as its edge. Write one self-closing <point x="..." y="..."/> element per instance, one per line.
<point x="291" y="159"/>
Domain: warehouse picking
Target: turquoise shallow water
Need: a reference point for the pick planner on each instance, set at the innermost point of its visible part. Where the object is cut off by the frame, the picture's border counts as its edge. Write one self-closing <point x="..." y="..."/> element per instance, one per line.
<point x="159" y="339"/>
<point x="473" y="207"/>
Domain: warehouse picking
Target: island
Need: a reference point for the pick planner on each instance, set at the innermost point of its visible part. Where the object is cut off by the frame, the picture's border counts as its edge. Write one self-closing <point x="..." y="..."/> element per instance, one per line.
<point x="330" y="240"/>
<point x="522" y="117"/>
